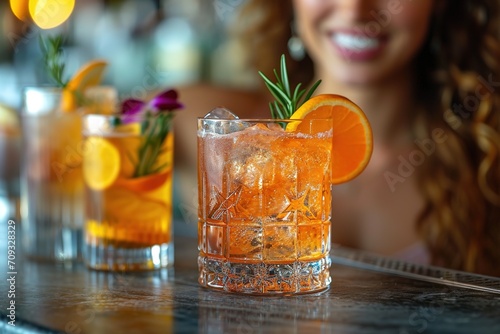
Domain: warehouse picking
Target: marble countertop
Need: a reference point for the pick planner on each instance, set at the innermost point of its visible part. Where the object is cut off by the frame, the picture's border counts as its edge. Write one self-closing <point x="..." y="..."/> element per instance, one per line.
<point x="53" y="298"/>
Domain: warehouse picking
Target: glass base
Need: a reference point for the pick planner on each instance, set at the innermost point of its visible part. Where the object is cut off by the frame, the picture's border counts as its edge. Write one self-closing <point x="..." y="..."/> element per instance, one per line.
<point x="46" y="242"/>
<point x="265" y="279"/>
<point x="110" y="258"/>
<point x="52" y="225"/>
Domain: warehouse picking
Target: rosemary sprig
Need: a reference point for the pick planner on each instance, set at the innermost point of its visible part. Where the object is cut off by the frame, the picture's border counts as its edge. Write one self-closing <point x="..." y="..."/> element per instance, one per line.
<point x="52" y="56"/>
<point x="286" y="103"/>
<point x="155" y="128"/>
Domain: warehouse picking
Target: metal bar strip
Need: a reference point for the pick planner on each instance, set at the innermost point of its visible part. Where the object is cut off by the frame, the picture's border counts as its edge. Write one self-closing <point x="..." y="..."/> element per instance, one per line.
<point x="364" y="260"/>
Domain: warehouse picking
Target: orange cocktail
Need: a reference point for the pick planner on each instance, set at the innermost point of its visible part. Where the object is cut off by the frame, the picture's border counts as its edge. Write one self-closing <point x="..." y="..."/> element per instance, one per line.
<point x="264" y="206"/>
<point x="128" y="214"/>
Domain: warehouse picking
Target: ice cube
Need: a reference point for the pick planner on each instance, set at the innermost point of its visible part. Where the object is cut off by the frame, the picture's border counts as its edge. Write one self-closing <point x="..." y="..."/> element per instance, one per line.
<point x="275" y="127"/>
<point x="221" y="113"/>
<point x="224" y="122"/>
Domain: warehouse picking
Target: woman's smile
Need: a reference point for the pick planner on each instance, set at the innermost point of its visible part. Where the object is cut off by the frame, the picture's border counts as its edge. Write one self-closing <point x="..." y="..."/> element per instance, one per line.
<point x="356" y="46"/>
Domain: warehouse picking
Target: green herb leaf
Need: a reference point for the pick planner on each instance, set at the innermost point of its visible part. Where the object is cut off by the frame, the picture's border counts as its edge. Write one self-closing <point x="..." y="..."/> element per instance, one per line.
<point x="155" y="128"/>
<point x="284" y="76"/>
<point x="311" y="91"/>
<point x="52" y="56"/>
<point x="286" y="103"/>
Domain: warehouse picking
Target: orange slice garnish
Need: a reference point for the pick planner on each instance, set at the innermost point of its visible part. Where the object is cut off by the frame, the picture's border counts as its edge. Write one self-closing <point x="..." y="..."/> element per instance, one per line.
<point x="145" y="183"/>
<point x="132" y="207"/>
<point x="101" y="163"/>
<point x="352" y="135"/>
<point x="88" y="75"/>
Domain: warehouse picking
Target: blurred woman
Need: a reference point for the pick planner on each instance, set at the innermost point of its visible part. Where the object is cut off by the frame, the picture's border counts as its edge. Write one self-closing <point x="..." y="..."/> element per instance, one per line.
<point x="427" y="75"/>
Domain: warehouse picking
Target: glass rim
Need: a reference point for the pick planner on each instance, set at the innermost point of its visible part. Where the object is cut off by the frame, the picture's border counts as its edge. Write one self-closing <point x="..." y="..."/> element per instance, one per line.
<point x="106" y="124"/>
<point x="41" y="100"/>
<point x="43" y="88"/>
<point x="113" y="115"/>
<point x="96" y="115"/>
<point x="96" y="118"/>
<point x="263" y="120"/>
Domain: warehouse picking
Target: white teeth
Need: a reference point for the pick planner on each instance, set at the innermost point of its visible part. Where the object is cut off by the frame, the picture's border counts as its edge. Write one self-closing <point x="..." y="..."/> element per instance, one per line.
<point x="355" y="42"/>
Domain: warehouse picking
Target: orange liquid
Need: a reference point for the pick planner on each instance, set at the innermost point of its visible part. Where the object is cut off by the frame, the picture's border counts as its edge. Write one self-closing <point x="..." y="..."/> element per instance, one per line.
<point x="132" y="212"/>
<point x="264" y="203"/>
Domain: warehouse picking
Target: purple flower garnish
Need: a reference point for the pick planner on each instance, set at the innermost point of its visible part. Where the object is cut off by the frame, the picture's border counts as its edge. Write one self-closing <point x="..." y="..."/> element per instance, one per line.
<point x="164" y="102"/>
<point x="131" y="110"/>
<point x="155" y="124"/>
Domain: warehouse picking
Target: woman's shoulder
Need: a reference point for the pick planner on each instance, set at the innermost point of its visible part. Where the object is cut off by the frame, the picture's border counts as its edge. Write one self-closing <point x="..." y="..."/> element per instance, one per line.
<point x="200" y="98"/>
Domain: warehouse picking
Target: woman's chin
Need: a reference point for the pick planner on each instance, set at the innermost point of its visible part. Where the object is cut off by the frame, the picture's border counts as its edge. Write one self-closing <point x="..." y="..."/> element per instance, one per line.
<point x="358" y="78"/>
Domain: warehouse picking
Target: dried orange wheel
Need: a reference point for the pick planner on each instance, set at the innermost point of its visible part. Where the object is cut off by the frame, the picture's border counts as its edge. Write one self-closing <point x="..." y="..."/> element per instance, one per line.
<point x="352" y="134"/>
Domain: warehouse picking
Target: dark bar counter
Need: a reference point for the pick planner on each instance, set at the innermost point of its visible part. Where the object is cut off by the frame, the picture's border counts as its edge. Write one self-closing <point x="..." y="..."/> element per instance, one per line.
<point x="368" y="294"/>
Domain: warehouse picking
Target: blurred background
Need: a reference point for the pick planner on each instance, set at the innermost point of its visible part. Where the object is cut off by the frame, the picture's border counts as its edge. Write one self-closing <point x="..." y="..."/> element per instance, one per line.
<point x="149" y="44"/>
<point x="157" y="42"/>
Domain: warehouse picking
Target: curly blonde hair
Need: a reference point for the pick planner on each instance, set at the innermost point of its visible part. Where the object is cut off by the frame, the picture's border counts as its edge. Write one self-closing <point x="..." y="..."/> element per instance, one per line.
<point x="458" y="74"/>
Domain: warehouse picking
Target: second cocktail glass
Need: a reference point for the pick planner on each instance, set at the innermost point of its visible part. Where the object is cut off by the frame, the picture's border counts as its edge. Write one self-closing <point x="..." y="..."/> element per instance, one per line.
<point x="128" y="183"/>
<point x="264" y="205"/>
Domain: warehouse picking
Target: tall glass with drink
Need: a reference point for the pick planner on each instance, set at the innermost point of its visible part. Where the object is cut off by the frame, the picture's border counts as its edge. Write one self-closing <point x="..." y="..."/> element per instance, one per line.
<point x="51" y="188"/>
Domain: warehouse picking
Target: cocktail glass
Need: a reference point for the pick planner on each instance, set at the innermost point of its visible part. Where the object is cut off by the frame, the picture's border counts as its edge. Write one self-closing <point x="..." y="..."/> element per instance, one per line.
<point x="128" y="216"/>
<point x="264" y="206"/>
<point x="10" y="150"/>
<point x="51" y="183"/>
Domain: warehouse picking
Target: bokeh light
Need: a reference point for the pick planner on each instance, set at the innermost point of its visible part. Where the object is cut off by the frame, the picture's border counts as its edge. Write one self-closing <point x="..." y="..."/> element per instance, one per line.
<point x="20" y="9"/>
<point x="49" y="14"/>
